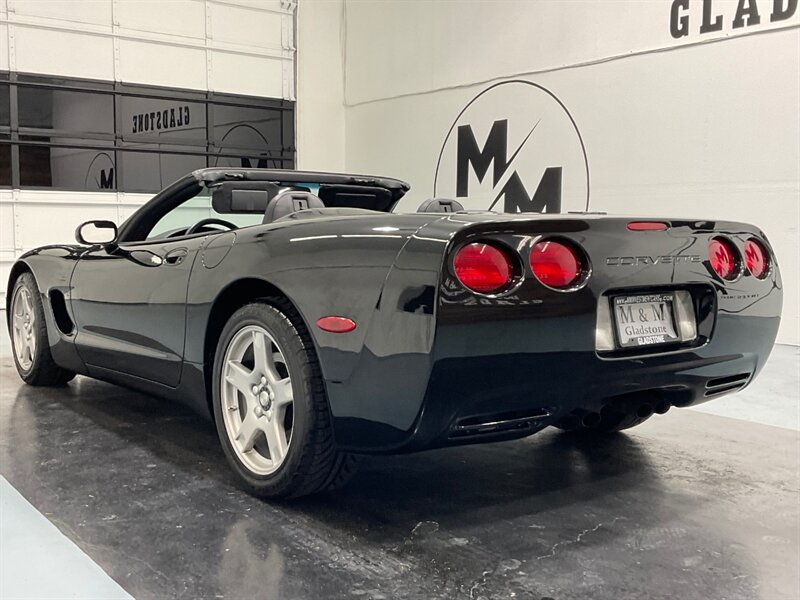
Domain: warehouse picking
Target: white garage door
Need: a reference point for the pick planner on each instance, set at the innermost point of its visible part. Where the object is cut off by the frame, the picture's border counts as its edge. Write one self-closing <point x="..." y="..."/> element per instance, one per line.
<point x="103" y="102"/>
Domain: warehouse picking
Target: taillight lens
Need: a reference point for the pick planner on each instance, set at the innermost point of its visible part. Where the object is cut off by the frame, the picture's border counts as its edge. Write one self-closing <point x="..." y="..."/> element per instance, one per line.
<point x="483" y="268"/>
<point x="722" y="255"/>
<point x="757" y="258"/>
<point x="556" y="264"/>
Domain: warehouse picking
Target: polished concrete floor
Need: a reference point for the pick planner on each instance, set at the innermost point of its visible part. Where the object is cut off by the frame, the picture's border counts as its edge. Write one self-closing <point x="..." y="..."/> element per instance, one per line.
<point x="689" y="505"/>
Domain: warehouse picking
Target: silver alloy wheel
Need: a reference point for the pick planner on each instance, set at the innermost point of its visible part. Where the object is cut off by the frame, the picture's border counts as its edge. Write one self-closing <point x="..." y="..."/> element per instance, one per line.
<point x="23" y="324"/>
<point x="257" y="399"/>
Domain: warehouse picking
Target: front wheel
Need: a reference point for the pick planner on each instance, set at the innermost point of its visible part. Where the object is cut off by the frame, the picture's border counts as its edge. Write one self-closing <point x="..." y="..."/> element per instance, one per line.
<point x="270" y="407"/>
<point x="28" y="329"/>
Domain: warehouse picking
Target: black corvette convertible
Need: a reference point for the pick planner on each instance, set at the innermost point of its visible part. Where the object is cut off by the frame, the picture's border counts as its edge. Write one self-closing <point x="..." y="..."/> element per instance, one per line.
<point x="314" y="324"/>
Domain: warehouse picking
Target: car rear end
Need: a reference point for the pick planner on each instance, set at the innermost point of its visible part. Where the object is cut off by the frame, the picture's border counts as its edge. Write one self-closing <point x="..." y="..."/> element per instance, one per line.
<point x="551" y="321"/>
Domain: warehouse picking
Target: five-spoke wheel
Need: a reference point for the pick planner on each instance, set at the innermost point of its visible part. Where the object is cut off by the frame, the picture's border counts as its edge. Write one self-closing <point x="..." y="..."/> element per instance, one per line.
<point x="257" y="399"/>
<point x="29" y="340"/>
<point x="23" y="323"/>
<point x="270" y="405"/>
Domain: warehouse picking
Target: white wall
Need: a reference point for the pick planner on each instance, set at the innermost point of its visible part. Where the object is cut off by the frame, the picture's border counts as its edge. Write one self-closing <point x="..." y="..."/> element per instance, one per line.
<point x="705" y="125"/>
<point x="230" y="46"/>
<point x="320" y="86"/>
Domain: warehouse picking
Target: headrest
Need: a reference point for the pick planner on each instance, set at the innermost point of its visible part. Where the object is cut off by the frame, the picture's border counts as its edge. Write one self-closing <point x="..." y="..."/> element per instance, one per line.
<point x="289" y="201"/>
<point x="440" y="205"/>
<point x="357" y="196"/>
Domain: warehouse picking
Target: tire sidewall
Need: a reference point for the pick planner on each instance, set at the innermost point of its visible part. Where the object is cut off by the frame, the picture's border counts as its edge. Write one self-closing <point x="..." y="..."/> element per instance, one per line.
<point x="280" y="327"/>
<point x="26" y="280"/>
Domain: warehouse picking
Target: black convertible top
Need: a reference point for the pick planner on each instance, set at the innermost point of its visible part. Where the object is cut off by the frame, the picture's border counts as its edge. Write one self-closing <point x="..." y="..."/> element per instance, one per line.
<point x="210" y="176"/>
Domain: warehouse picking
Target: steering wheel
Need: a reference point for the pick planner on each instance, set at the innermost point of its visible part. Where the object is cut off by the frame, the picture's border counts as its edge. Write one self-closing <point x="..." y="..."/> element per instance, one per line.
<point x="212" y="221"/>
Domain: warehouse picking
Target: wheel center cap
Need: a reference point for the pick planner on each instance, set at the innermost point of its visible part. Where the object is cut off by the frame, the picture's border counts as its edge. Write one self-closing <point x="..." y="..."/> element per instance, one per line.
<point x="264" y="399"/>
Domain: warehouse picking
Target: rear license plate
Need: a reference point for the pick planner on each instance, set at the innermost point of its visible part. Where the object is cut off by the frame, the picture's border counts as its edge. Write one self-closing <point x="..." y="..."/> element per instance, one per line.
<point x="645" y="320"/>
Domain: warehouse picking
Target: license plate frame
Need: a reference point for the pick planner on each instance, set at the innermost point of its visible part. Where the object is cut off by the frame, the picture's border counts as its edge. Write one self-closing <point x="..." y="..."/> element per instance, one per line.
<point x="645" y="320"/>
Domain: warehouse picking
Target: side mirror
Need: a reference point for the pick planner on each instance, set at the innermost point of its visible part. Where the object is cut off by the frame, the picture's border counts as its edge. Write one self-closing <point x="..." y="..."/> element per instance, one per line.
<point x="92" y="233"/>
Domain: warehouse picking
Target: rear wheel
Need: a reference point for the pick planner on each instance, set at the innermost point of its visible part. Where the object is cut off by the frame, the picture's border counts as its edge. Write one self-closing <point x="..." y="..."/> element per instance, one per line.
<point x="28" y="329"/>
<point x="270" y="407"/>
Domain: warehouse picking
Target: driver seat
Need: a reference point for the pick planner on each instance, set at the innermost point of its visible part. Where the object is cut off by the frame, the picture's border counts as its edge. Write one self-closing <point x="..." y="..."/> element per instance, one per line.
<point x="288" y="202"/>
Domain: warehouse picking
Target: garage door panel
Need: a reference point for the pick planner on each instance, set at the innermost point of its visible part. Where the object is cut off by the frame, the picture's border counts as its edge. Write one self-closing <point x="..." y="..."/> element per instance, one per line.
<point x="97" y="12"/>
<point x="6" y="261"/>
<point x="246" y="26"/>
<point x="6" y="226"/>
<point x="63" y="53"/>
<point x="264" y="74"/>
<point x="157" y="64"/>
<point x="185" y="18"/>
<point x="3" y="47"/>
<point x="45" y="218"/>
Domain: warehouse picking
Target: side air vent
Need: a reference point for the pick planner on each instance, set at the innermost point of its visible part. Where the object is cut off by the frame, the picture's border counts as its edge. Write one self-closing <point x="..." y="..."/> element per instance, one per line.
<point x="59" y="306"/>
<point x="726" y="385"/>
<point x="498" y="423"/>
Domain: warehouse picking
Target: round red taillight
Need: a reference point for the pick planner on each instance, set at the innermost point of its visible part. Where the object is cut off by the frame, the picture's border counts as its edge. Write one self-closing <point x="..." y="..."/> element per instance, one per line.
<point x="483" y="268"/>
<point x="556" y="265"/>
<point x="723" y="258"/>
<point x="757" y="258"/>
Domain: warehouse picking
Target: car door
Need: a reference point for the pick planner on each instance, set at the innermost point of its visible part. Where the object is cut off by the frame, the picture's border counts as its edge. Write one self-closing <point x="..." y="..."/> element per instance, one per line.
<point x="129" y="304"/>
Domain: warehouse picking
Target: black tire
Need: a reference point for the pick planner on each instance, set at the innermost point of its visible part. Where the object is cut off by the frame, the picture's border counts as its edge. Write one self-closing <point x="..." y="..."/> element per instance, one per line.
<point x="312" y="463"/>
<point x="43" y="370"/>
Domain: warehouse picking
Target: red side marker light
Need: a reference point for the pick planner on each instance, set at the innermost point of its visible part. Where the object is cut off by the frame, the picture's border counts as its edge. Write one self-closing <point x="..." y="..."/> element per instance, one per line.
<point x="336" y="324"/>
<point x="646" y="226"/>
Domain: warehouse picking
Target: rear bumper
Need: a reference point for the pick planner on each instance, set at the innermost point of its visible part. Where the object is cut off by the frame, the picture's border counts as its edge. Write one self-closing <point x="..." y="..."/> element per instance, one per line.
<point x="509" y="395"/>
<point x="523" y="393"/>
<point x="500" y="393"/>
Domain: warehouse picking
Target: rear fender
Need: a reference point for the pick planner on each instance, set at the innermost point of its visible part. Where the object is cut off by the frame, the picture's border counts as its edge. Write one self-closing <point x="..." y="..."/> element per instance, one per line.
<point x="378" y="403"/>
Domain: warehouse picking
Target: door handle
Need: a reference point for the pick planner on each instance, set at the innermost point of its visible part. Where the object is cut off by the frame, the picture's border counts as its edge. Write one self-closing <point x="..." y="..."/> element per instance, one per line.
<point x="175" y="257"/>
